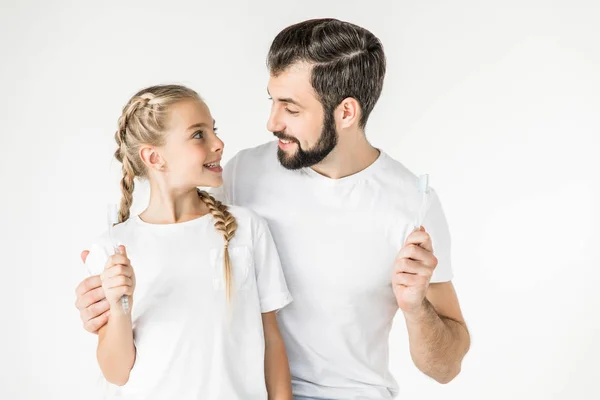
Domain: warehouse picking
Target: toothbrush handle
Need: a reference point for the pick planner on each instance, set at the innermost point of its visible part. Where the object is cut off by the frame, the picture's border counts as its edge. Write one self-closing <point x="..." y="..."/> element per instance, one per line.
<point x="421" y="214"/>
<point x="124" y="298"/>
<point x="125" y="304"/>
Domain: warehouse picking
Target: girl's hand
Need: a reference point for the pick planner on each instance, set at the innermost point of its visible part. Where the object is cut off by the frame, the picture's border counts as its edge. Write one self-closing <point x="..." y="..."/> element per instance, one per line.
<point x="118" y="279"/>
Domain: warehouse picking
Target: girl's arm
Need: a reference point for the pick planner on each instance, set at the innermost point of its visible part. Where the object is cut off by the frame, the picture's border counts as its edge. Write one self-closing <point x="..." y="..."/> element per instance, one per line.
<point x="277" y="370"/>
<point x="116" y="350"/>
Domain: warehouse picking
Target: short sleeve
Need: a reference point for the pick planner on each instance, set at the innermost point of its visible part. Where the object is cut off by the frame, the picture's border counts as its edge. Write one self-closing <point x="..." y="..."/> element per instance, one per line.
<point x="436" y="225"/>
<point x="96" y="259"/>
<point x="272" y="287"/>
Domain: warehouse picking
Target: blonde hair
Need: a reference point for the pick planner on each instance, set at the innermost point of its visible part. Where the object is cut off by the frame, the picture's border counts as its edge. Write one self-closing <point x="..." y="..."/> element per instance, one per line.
<point x="143" y="122"/>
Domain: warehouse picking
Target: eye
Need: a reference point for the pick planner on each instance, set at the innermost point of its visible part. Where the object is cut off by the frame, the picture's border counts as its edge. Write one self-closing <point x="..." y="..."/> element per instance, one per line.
<point x="216" y="130"/>
<point x="198" y="135"/>
<point x="290" y="111"/>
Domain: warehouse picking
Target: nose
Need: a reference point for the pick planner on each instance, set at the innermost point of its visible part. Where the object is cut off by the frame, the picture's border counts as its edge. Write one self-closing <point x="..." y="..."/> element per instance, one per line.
<point x="217" y="145"/>
<point x="274" y="124"/>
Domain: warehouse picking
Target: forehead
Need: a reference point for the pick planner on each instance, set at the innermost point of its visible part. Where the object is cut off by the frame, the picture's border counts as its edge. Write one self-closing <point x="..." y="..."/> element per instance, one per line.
<point x="294" y="82"/>
<point x="188" y="112"/>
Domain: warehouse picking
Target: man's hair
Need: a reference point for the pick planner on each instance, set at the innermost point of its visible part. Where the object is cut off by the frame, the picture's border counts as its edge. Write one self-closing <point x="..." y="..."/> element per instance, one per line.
<point x="346" y="60"/>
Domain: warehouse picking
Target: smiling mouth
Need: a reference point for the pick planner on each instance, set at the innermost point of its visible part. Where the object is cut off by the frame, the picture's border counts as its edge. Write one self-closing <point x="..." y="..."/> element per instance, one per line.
<point x="213" y="164"/>
<point x="284" y="139"/>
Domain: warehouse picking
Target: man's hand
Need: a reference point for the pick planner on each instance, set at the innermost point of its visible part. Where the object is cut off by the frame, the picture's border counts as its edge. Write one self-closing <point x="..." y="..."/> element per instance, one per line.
<point x="437" y="333"/>
<point x="413" y="270"/>
<point x="91" y="301"/>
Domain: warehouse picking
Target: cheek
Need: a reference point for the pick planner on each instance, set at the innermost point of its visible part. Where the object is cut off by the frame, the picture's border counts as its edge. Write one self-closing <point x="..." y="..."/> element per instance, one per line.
<point x="197" y="155"/>
<point x="306" y="130"/>
<point x="189" y="157"/>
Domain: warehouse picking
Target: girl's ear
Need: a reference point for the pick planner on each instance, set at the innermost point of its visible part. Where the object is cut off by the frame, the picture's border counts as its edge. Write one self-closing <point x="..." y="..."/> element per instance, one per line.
<point x="152" y="158"/>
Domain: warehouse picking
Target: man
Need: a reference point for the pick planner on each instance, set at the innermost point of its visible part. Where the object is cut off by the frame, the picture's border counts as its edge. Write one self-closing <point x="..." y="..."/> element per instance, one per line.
<point x="341" y="213"/>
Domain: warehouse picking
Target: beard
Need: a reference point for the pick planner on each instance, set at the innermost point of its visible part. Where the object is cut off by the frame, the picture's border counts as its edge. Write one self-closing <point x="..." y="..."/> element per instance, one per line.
<point x="304" y="158"/>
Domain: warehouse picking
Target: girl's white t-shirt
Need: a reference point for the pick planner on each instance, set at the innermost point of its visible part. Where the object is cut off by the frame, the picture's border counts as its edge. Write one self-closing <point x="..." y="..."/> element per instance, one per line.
<point x="190" y="343"/>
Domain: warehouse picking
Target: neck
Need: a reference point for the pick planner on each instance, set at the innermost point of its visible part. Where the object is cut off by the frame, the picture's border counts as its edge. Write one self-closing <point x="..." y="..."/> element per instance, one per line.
<point x="352" y="154"/>
<point x="169" y="206"/>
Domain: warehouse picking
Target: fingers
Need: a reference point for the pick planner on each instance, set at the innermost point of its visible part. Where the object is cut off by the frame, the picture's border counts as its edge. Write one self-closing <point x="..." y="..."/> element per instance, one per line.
<point x="116" y="270"/>
<point x="87" y="299"/>
<point x="420" y="238"/>
<point x="94" y="324"/>
<point x="119" y="291"/>
<point x="116" y="281"/>
<point x="94" y="311"/>
<point x="413" y="267"/>
<point x="116" y="259"/>
<point x="84" y="255"/>
<point x="409" y="280"/>
<point x="417" y="253"/>
<point x="89" y="283"/>
<point x="123" y="250"/>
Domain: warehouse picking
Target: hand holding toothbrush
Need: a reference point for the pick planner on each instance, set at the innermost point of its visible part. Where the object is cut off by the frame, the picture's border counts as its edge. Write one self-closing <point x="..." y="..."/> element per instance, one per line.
<point x="415" y="262"/>
<point x="413" y="269"/>
<point x="118" y="280"/>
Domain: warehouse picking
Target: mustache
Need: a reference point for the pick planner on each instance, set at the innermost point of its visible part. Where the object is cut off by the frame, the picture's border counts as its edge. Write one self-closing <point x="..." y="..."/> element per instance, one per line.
<point x="282" y="135"/>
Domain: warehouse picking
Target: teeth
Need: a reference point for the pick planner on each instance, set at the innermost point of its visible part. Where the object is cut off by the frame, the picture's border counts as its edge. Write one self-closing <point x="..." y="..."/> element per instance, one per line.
<point x="285" y="141"/>
<point x="213" y="165"/>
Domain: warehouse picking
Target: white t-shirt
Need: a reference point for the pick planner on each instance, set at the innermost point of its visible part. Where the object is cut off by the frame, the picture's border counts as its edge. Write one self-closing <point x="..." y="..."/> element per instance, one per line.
<point x="337" y="240"/>
<point x="187" y="345"/>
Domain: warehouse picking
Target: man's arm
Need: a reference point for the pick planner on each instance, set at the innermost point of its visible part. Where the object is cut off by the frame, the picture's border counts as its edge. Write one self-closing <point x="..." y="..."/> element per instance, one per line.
<point x="437" y="332"/>
<point x="438" y="335"/>
<point x="277" y="370"/>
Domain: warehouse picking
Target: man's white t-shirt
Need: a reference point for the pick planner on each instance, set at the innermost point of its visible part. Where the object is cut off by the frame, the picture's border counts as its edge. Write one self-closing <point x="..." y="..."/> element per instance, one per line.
<point x="337" y="239"/>
<point x="190" y="344"/>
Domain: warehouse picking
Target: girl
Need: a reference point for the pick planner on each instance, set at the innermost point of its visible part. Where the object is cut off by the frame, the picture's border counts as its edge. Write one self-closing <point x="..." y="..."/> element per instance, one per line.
<point x="207" y="279"/>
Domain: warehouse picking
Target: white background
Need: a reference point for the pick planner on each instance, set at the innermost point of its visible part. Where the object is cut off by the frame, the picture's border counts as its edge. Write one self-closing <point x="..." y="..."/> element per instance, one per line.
<point x="498" y="100"/>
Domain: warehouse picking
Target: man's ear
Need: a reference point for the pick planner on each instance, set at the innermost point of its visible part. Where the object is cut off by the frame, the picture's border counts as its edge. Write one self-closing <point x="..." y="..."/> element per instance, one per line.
<point x="347" y="113"/>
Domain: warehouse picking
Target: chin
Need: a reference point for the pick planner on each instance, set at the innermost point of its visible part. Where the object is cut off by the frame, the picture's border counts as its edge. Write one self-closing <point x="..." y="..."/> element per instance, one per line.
<point x="213" y="183"/>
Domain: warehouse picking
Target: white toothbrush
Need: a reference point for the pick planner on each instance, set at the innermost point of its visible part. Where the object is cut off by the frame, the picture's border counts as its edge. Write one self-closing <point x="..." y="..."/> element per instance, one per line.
<point x="424" y="192"/>
<point x="113" y="219"/>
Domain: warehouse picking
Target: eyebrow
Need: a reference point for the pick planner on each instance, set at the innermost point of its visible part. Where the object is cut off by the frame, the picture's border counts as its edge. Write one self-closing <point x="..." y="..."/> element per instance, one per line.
<point x="199" y="125"/>
<point x="286" y="100"/>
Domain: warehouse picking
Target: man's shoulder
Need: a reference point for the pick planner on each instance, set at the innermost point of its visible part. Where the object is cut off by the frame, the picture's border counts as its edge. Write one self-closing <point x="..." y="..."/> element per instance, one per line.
<point x="242" y="213"/>
<point x="247" y="219"/>
<point x="250" y="165"/>
<point x="398" y="172"/>
<point x="255" y="155"/>
<point x="401" y="181"/>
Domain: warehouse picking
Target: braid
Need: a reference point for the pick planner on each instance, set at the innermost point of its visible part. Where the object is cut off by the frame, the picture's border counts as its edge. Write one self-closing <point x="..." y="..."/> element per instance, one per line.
<point x="226" y="225"/>
<point x="127" y="186"/>
<point x="129" y="170"/>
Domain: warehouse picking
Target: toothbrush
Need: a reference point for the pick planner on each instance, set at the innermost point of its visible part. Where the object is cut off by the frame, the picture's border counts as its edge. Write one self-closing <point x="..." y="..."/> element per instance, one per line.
<point x="424" y="192"/>
<point x="113" y="219"/>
